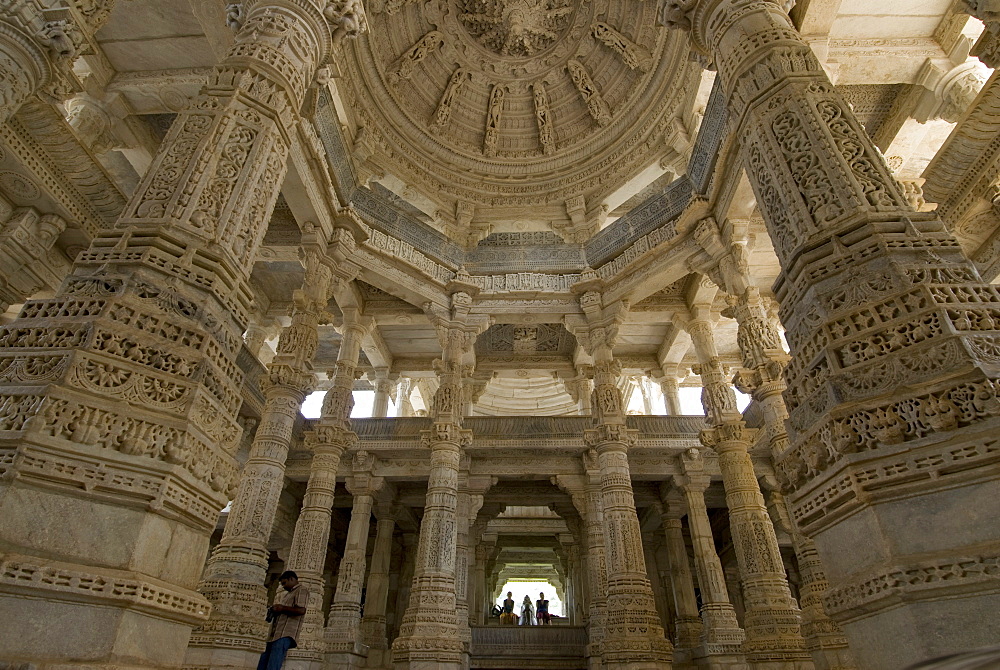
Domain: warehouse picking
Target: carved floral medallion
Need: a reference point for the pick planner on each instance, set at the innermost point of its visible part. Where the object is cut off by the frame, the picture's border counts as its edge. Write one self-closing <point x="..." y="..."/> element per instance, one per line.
<point x="517" y="28"/>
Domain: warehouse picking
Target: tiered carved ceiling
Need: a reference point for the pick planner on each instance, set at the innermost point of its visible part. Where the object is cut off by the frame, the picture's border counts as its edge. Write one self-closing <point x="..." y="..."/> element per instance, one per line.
<point x="517" y="128"/>
<point x="515" y="114"/>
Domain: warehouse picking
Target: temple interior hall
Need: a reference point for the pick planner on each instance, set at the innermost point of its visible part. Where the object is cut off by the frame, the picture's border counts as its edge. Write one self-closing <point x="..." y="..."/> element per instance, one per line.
<point x="681" y="316"/>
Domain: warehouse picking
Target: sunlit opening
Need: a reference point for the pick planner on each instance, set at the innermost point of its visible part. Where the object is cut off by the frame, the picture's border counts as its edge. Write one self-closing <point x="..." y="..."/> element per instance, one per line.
<point x="531" y="589"/>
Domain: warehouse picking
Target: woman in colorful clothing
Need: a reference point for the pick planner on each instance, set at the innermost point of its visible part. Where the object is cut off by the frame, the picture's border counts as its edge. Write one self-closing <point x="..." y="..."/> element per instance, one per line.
<point x="542" y="609"/>
<point x="507" y="617"/>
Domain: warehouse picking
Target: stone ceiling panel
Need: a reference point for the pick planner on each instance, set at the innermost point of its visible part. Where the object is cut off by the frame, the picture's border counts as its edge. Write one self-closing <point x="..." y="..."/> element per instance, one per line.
<point x="464" y="100"/>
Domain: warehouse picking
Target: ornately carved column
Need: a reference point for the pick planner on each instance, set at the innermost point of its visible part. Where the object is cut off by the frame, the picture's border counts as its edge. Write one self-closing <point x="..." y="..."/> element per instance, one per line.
<point x="120" y="394"/>
<point x="771" y="620"/>
<point x="764" y="361"/>
<point x="383" y="388"/>
<point x="470" y="500"/>
<point x="312" y="531"/>
<point x="343" y="630"/>
<point x="633" y="634"/>
<point x="429" y="638"/>
<point x="373" y="623"/>
<point x="234" y="577"/>
<point x="688" y="623"/>
<point x="721" y="633"/>
<point x="670" y="387"/>
<point x="893" y="386"/>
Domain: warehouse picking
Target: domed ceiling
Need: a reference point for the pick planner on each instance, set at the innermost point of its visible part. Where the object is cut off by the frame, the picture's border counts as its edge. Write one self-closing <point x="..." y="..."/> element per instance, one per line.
<point x="492" y="111"/>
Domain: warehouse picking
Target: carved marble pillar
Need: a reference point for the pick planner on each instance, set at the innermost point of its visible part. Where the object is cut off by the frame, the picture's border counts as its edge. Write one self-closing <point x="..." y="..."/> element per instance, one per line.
<point x="771" y="621"/>
<point x="764" y="360"/>
<point x="670" y="386"/>
<point x="405" y="407"/>
<point x="234" y="577"/>
<point x="470" y="500"/>
<point x="383" y="388"/>
<point x="597" y="574"/>
<point x="373" y="623"/>
<point x="429" y="636"/>
<point x="585" y="386"/>
<point x="259" y="330"/>
<point x="721" y="634"/>
<point x="633" y="635"/>
<point x="824" y="638"/>
<point x="571" y="552"/>
<point x="310" y="543"/>
<point x="477" y="576"/>
<point x="688" y="624"/>
<point x="892" y="333"/>
<point x="409" y="542"/>
<point x="131" y="421"/>
<point x="345" y="647"/>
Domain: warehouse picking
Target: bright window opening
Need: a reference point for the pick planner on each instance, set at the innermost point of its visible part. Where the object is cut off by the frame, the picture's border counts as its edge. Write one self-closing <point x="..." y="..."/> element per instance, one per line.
<point x="531" y="589"/>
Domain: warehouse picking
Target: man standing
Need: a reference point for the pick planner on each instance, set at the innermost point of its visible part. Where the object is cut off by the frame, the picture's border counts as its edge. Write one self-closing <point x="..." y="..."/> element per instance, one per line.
<point x="285" y="616"/>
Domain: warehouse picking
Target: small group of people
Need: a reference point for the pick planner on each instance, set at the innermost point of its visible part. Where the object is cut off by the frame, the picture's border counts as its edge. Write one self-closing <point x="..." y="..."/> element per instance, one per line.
<point x="529" y="614"/>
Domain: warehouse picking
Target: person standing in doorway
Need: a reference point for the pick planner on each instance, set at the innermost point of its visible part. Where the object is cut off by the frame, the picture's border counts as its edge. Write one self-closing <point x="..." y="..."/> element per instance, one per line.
<point x="542" y="609"/>
<point x="285" y="616"/>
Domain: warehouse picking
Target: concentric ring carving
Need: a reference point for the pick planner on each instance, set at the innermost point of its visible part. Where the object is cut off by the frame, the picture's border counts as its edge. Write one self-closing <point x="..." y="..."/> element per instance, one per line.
<point x="574" y="112"/>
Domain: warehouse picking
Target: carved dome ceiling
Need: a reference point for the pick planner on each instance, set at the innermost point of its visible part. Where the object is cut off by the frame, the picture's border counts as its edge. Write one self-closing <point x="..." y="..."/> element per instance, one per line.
<point x="487" y="111"/>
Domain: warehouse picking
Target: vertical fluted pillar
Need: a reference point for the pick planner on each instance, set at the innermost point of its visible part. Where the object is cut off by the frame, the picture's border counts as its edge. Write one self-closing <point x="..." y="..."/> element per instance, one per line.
<point x="865" y="306"/>
<point x="771" y="621"/>
<point x="477" y="577"/>
<point x="409" y="543"/>
<point x="383" y="388"/>
<point x="764" y="360"/>
<point x="343" y="630"/>
<point x="312" y="532"/>
<point x="721" y="633"/>
<point x="688" y="624"/>
<point x="234" y="577"/>
<point x="373" y="628"/>
<point x="670" y="387"/>
<point x="405" y="407"/>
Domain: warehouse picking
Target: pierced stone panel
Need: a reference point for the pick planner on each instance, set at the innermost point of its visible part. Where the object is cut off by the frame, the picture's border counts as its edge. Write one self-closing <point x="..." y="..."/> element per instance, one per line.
<point x="529" y="339"/>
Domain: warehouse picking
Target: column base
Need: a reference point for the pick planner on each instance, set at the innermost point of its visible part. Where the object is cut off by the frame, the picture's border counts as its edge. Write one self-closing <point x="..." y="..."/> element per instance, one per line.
<point x="929" y="583"/>
<point x="716" y="657"/>
<point x="347" y="659"/>
<point x="223" y="658"/>
<point x="47" y="633"/>
<point x="379" y="658"/>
